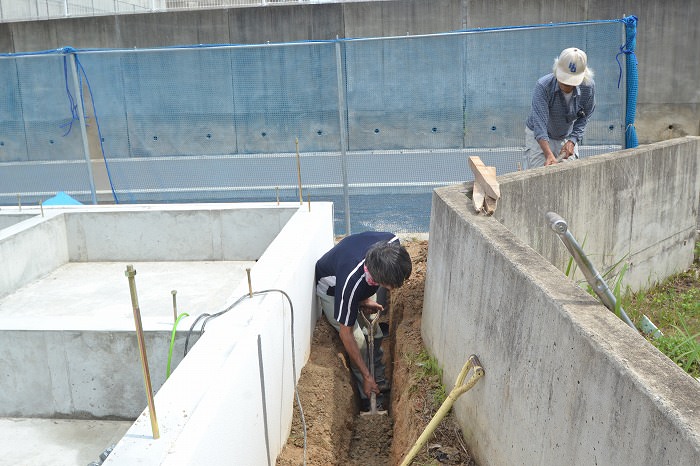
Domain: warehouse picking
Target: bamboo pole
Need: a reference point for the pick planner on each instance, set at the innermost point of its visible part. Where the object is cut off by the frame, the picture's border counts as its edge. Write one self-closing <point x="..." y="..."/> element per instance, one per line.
<point x="457" y="391"/>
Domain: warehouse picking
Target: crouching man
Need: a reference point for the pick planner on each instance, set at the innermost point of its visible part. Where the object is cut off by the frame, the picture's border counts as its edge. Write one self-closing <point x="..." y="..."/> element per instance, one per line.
<point x="347" y="277"/>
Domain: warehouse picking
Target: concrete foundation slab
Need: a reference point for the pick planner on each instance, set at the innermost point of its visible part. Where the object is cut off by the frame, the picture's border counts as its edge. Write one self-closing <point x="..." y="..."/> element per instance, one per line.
<point x="96" y="295"/>
<point x="56" y="442"/>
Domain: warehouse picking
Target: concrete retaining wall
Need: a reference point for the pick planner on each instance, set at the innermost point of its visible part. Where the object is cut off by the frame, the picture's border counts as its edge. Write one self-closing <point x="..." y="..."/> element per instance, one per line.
<point x="668" y="101"/>
<point x="566" y="382"/>
<point x="639" y="206"/>
<point x="81" y="373"/>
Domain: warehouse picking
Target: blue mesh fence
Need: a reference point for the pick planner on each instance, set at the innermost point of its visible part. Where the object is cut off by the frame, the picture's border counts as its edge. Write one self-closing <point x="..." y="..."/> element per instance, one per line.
<point x="376" y="124"/>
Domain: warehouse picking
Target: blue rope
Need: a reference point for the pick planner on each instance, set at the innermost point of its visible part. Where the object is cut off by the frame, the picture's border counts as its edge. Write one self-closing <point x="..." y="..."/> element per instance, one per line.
<point x="627" y="49"/>
<point x="71" y="100"/>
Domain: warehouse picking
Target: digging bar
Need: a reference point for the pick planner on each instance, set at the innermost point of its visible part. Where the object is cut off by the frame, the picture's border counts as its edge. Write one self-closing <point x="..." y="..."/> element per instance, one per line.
<point x="371" y="326"/>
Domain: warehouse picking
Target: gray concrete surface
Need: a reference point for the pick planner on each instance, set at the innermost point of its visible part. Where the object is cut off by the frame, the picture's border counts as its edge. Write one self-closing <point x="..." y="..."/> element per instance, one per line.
<point x="56" y="442"/>
<point x="668" y="59"/>
<point x="567" y="382"/>
<point x="10" y="218"/>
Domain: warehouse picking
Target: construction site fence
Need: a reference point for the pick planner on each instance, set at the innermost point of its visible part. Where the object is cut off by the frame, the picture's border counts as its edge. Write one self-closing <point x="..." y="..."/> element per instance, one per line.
<point x="373" y="124"/>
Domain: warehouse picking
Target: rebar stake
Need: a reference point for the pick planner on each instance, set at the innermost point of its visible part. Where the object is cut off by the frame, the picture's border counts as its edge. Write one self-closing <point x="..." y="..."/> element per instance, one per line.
<point x="130" y="274"/>
<point x="174" y="292"/>
<point x="19" y="202"/>
<point x="250" y="286"/>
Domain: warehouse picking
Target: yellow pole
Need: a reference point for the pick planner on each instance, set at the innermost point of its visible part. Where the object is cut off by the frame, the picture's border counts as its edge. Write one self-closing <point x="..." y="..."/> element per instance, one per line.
<point x="301" y="199"/>
<point x="130" y="274"/>
<point x="459" y="389"/>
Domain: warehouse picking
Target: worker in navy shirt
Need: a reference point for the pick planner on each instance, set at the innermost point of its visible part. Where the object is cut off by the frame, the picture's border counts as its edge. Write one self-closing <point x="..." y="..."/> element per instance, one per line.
<point x="347" y="277"/>
<point x="562" y="103"/>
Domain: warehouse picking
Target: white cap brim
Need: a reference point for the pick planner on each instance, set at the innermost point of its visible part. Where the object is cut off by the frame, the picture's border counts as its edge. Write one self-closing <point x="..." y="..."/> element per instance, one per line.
<point x="570" y="79"/>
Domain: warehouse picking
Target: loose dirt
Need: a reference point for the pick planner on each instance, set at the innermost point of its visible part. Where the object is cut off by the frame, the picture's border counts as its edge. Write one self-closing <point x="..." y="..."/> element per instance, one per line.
<point x="336" y="434"/>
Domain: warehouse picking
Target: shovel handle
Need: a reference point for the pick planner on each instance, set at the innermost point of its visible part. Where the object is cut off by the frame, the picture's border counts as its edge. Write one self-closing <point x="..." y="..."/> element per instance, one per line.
<point x="371" y="324"/>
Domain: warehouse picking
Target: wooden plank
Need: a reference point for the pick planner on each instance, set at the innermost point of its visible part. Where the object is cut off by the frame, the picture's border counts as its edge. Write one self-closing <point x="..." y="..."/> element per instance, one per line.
<point x="485" y="177"/>
<point x="478" y="196"/>
<point x="490" y="202"/>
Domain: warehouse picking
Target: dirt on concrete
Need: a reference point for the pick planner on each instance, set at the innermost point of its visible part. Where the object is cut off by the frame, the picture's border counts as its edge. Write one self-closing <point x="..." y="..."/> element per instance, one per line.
<point x="336" y="434"/>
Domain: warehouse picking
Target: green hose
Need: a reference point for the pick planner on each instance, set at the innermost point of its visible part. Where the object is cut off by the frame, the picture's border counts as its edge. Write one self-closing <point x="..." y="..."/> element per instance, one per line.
<point x="172" y="343"/>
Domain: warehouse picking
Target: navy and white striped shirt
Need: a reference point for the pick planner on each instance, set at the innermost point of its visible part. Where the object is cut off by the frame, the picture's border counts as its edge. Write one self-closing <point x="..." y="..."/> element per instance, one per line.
<point x="551" y="117"/>
<point x="341" y="273"/>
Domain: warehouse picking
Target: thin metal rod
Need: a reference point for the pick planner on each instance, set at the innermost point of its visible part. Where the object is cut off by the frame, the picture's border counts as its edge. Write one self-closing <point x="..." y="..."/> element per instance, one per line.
<point x="560" y="227"/>
<point x="264" y="402"/>
<point x="301" y="199"/>
<point x="83" y="132"/>
<point x="174" y="292"/>
<point x="130" y="274"/>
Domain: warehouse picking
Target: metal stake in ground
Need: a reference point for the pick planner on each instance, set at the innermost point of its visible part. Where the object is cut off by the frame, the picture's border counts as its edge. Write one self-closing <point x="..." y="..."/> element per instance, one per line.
<point x="174" y="292"/>
<point x="130" y="274"/>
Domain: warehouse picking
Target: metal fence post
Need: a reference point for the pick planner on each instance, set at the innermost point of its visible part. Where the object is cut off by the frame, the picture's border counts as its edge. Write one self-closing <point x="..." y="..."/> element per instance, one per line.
<point x="343" y="131"/>
<point x="83" y="132"/>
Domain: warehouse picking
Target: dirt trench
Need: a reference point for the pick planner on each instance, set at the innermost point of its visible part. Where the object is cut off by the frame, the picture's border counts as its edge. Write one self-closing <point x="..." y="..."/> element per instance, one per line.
<point x="335" y="432"/>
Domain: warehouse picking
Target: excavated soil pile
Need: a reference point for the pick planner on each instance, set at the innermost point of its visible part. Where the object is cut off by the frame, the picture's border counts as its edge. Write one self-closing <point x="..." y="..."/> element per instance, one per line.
<point x="336" y="434"/>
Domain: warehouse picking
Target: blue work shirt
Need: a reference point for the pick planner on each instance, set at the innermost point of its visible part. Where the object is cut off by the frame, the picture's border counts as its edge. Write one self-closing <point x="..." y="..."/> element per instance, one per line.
<point x="340" y="273"/>
<point x="552" y="118"/>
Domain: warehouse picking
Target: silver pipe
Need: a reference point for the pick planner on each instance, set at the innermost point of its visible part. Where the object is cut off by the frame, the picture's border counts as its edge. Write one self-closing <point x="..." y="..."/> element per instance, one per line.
<point x="83" y="132"/>
<point x="343" y="132"/>
<point x="560" y="227"/>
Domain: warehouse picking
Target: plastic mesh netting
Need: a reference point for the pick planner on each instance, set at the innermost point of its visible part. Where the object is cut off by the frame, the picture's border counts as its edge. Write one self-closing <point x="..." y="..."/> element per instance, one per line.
<point x="376" y="123"/>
